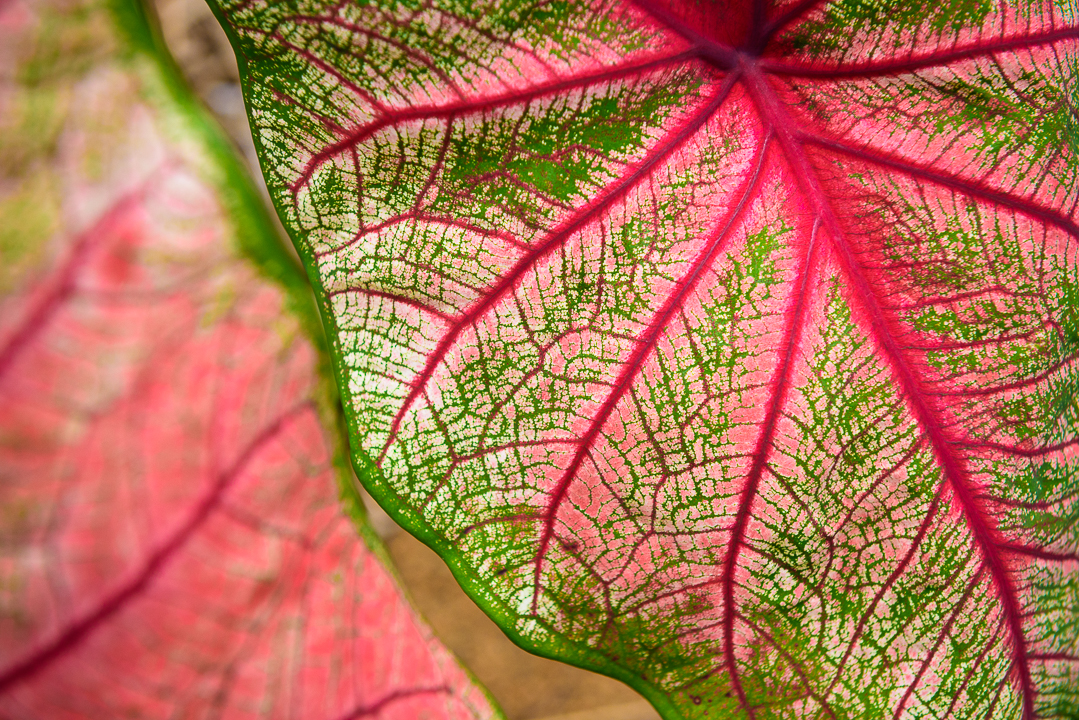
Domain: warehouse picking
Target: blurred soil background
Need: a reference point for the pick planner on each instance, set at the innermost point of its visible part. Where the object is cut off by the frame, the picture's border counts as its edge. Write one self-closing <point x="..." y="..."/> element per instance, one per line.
<point x="526" y="686"/>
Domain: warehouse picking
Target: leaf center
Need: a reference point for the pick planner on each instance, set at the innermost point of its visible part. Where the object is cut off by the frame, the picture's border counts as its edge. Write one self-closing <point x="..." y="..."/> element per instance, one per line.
<point x="728" y="23"/>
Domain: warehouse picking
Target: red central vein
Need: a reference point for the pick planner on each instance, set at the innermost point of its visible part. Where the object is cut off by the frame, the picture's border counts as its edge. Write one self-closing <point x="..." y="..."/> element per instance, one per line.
<point x="705" y="47"/>
<point x="389" y="118"/>
<point x="964" y="490"/>
<point x="76" y="631"/>
<point x="63" y="284"/>
<point x="715" y="242"/>
<point x="780" y="384"/>
<point x="557" y="238"/>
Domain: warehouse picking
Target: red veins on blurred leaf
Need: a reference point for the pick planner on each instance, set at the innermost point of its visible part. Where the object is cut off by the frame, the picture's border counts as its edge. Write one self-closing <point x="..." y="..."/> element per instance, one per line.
<point x="172" y="542"/>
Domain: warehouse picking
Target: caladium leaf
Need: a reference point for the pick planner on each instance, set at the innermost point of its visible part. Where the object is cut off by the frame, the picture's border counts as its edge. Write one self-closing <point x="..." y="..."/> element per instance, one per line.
<point x="725" y="347"/>
<point x="172" y="542"/>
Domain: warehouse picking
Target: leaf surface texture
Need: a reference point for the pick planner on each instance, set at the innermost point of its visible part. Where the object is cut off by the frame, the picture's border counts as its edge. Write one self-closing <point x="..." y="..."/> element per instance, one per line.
<point x="728" y="348"/>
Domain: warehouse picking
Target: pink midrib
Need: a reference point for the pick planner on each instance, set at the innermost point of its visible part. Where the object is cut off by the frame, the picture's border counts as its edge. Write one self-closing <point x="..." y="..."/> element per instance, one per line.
<point x="861" y="291"/>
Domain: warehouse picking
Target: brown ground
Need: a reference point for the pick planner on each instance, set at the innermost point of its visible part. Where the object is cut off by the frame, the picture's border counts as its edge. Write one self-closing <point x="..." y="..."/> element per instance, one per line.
<point x="526" y="686"/>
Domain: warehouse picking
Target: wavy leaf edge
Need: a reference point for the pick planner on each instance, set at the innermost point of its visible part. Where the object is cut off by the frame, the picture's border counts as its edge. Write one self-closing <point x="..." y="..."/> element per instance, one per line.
<point x="793" y="143"/>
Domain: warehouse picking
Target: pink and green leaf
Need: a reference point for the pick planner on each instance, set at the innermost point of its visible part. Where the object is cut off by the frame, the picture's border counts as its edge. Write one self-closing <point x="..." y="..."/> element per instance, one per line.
<point x="172" y="536"/>
<point x="728" y="348"/>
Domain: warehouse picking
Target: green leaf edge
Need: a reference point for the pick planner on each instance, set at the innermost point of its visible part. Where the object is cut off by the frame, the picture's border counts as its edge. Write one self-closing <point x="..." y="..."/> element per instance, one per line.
<point x="259" y="241"/>
<point x="370" y="475"/>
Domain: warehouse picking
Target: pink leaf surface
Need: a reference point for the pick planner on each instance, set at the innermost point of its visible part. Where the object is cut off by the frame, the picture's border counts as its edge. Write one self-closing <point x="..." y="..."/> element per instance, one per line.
<point x="726" y="347"/>
<point x="172" y="543"/>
